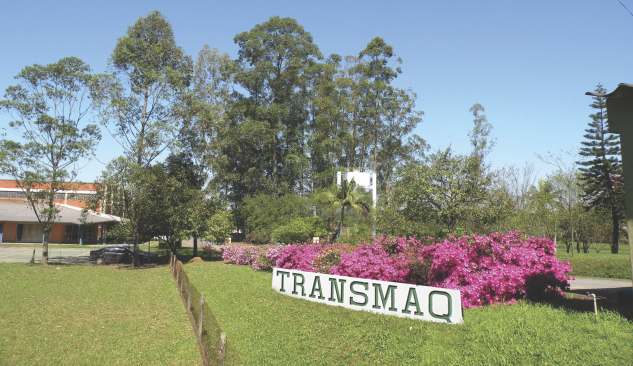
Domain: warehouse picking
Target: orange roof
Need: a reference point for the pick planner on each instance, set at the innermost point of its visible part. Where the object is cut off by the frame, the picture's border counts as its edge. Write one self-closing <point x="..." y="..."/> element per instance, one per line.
<point x="79" y="186"/>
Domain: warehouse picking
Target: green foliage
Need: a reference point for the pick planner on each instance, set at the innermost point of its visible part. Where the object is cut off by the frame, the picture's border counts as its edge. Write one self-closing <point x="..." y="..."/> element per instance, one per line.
<point x="219" y="226"/>
<point x="262" y="147"/>
<point x="447" y="193"/>
<point x="139" y="102"/>
<point x="120" y="233"/>
<point x="335" y="204"/>
<point x="264" y="213"/>
<point x="357" y="232"/>
<point x="299" y="230"/>
<point x="280" y="119"/>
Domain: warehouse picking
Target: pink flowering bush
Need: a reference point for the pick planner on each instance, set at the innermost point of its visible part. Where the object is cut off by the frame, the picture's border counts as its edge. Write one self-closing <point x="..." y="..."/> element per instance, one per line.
<point x="374" y="262"/>
<point x="487" y="269"/>
<point x="497" y="268"/>
<point x="239" y="254"/>
<point x="297" y="256"/>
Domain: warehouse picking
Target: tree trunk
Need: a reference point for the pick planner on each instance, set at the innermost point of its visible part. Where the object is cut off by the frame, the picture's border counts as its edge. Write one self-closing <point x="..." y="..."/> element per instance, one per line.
<point x="340" y="232"/>
<point x="195" y="245"/>
<point x="615" y="234"/>
<point x="135" y="251"/>
<point x="45" y="247"/>
<point x="585" y="246"/>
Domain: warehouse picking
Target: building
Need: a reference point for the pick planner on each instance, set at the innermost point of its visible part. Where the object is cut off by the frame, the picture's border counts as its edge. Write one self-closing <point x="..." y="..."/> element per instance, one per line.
<point x="74" y="224"/>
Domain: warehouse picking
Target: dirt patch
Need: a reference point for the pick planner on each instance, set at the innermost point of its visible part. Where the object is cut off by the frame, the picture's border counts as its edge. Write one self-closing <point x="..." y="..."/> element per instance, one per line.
<point x="195" y="260"/>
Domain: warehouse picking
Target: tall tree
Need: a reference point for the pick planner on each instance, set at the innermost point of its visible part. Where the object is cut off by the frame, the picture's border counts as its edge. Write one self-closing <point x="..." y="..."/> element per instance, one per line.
<point x="331" y="145"/>
<point x="261" y="145"/>
<point x="386" y="115"/>
<point x="203" y="109"/>
<point x="275" y="58"/>
<point x="49" y="105"/>
<point x="601" y="168"/>
<point x="151" y="75"/>
<point x="480" y="134"/>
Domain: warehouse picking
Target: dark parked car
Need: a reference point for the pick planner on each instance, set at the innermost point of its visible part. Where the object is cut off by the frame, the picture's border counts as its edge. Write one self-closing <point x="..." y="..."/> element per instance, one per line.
<point x="116" y="254"/>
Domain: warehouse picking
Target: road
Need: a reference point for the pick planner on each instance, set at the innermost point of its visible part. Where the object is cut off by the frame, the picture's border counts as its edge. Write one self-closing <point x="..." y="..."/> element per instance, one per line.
<point x="588" y="283"/>
<point x="23" y="255"/>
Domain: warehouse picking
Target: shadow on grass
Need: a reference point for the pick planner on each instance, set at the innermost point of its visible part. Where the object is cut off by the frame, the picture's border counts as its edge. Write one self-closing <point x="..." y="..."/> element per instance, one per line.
<point x="186" y="254"/>
<point x="618" y="300"/>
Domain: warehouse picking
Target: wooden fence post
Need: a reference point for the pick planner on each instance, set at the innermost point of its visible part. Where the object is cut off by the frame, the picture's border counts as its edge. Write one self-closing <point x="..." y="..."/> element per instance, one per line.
<point x="222" y="348"/>
<point x="201" y="315"/>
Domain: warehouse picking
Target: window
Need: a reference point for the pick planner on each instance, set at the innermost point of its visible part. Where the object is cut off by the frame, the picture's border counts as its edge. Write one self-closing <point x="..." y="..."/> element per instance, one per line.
<point x="71" y="234"/>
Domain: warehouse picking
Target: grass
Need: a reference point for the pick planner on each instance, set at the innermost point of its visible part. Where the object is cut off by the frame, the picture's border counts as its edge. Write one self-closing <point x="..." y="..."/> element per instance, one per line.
<point x="599" y="262"/>
<point x="267" y="328"/>
<point x="86" y="315"/>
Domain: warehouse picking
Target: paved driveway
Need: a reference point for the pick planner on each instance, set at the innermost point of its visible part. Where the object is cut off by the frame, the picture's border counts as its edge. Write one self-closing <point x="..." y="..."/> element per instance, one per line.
<point x="23" y="255"/>
<point x="588" y="283"/>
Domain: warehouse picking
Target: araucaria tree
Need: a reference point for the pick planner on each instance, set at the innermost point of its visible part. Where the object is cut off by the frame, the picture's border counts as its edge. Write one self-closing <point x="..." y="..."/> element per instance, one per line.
<point x="49" y="106"/>
<point x="140" y="100"/>
<point x="601" y="169"/>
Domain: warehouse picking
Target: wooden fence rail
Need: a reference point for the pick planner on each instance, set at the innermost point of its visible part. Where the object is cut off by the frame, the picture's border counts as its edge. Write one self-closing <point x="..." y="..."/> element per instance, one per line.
<point x="211" y="340"/>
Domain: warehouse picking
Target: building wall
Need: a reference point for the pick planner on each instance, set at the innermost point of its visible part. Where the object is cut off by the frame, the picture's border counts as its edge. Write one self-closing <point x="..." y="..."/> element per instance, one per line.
<point x="71" y="194"/>
<point x="8" y="183"/>
<point x="10" y="231"/>
<point x="57" y="233"/>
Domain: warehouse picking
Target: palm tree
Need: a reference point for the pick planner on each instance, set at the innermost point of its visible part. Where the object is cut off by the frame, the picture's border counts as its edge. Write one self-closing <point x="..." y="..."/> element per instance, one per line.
<point x="347" y="197"/>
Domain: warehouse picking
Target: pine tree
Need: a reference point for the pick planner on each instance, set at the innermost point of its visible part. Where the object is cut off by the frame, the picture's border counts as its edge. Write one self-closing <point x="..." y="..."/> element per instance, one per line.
<point x="601" y="168"/>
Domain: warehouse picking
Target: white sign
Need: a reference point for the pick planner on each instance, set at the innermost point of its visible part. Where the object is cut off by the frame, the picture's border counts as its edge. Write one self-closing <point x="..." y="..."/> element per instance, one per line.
<point x="390" y="298"/>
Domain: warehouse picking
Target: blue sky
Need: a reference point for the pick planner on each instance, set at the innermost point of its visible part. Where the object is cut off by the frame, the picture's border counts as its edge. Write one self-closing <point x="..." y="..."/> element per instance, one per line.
<point x="528" y="62"/>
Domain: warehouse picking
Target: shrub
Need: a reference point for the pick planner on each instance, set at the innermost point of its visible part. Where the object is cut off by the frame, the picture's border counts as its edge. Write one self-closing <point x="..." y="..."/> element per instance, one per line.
<point x="487" y="269"/>
<point x="329" y="257"/>
<point x="298" y="256"/>
<point x="373" y="262"/>
<point x="355" y="233"/>
<point x="262" y="263"/>
<point x="497" y="268"/>
<point x="239" y="254"/>
<point x="299" y="230"/>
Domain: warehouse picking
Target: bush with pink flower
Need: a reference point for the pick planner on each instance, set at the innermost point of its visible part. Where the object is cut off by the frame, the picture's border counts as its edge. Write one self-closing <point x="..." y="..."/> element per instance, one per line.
<point x="497" y="268"/>
<point x="487" y="269"/>
<point x="243" y="255"/>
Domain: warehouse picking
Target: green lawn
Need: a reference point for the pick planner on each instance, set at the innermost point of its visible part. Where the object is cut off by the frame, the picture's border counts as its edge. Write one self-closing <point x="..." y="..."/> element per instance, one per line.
<point x="267" y="328"/>
<point x="87" y="315"/>
<point x="599" y="262"/>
